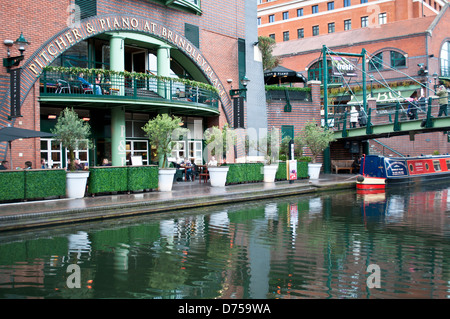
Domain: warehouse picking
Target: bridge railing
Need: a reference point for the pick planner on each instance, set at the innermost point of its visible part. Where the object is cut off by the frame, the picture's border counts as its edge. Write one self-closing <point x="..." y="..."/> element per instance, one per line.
<point x="394" y="113"/>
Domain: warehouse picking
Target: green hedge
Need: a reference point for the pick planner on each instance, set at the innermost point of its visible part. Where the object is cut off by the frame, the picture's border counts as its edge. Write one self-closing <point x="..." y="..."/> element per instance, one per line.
<point x="142" y="177"/>
<point x="42" y="183"/>
<point x="12" y="185"/>
<point x="245" y="173"/>
<point x="302" y="171"/>
<point x="108" y="179"/>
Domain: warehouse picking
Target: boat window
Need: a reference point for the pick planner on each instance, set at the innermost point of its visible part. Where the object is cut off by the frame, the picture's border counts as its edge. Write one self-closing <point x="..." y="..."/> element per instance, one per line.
<point x="427" y="167"/>
<point x="411" y="168"/>
<point x="448" y="165"/>
<point x="437" y="165"/>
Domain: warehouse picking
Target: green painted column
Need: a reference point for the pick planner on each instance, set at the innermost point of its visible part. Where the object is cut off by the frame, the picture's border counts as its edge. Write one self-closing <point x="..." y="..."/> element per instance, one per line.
<point x="118" y="138"/>
<point x="163" y="64"/>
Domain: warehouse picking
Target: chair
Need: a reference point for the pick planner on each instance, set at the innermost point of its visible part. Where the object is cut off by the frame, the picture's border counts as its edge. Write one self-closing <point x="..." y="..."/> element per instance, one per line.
<point x="203" y="174"/>
<point x="62" y="85"/>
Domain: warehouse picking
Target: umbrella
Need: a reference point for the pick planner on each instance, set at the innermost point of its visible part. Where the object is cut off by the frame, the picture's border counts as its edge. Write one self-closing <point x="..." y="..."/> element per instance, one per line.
<point x="9" y="134"/>
<point x="280" y="74"/>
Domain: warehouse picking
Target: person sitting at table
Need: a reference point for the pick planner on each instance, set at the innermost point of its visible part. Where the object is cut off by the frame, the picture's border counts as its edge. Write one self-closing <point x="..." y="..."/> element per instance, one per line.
<point x="28" y="165"/>
<point x="106" y="162"/>
<point x="86" y="84"/>
<point x="189" y="171"/>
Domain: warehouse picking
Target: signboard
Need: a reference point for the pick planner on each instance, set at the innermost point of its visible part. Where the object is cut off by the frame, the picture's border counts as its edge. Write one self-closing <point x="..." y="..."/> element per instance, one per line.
<point x="343" y="66"/>
<point x="15" y="92"/>
<point x="292" y="173"/>
<point x="238" y="110"/>
<point x="396" y="167"/>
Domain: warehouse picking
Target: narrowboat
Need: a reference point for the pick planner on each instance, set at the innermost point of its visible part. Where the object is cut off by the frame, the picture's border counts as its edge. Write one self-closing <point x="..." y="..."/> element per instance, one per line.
<point x="378" y="172"/>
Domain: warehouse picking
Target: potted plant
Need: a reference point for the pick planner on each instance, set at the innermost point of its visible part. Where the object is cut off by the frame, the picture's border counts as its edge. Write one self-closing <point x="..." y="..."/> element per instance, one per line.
<point x="270" y="148"/>
<point x="73" y="133"/>
<point x="218" y="142"/>
<point x="317" y="139"/>
<point x="161" y="131"/>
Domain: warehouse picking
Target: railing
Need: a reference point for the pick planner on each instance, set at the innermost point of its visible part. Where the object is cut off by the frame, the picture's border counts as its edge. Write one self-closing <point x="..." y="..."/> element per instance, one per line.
<point x="131" y="86"/>
<point x="394" y="113"/>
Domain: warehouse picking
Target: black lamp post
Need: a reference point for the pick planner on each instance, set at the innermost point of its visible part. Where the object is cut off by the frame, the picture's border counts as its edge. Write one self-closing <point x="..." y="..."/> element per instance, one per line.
<point x="21" y="45"/>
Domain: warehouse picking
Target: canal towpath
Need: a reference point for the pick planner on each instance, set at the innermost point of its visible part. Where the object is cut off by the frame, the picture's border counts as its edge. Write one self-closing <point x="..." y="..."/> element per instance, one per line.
<point x="184" y="195"/>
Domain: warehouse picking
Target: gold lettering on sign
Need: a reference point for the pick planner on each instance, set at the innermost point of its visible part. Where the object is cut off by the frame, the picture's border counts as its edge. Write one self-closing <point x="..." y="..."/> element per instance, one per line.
<point x="59" y="43"/>
<point x="89" y="28"/>
<point x="102" y="23"/>
<point x="69" y="38"/>
<point x="51" y="49"/>
<point x="134" y="23"/>
<point x="76" y="34"/>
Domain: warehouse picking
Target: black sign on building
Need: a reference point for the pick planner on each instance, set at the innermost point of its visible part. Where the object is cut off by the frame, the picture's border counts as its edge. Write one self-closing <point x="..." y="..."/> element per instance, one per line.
<point x="238" y="103"/>
<point x="15" y="92"/>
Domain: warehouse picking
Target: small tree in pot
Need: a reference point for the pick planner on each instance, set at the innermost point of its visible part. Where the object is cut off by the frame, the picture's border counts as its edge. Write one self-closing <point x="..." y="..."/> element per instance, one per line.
<point x="317" y="139"/>
<point x="161" y="131"/>
<point x="73" y="133"/>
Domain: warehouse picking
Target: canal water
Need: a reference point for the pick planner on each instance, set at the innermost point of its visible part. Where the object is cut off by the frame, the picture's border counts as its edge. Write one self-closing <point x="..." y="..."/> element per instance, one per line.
<point x="337" y="245"/>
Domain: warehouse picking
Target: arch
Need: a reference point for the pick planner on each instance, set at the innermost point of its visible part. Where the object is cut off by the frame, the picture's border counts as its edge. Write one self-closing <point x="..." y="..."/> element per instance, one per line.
<point x="112" y="23"/>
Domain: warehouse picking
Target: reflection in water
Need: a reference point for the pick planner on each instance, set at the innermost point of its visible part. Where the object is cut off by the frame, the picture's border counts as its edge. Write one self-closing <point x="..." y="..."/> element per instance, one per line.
<point x="297" y="247"/>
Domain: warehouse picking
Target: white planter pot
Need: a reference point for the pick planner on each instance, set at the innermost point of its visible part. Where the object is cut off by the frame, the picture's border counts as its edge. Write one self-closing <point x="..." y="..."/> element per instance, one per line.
<point x="76" y="184"/>
<point x="314" y="170"/>
<point x="218" y="175"/>
<point x="269" y="173"/>
<point x="165" y="179"/>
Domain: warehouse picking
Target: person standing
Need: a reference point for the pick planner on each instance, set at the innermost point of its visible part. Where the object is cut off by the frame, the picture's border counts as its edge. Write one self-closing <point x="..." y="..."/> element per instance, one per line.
<point x="443" y="100"/>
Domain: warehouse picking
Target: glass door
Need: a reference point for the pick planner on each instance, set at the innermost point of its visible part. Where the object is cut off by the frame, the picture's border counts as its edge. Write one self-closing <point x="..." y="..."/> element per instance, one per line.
<point x="196" y="152"/>
<point x="51" y="153"/>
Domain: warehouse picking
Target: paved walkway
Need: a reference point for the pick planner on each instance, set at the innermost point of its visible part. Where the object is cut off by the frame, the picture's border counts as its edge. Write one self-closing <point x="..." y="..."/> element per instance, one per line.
<point x="183" y="195"/>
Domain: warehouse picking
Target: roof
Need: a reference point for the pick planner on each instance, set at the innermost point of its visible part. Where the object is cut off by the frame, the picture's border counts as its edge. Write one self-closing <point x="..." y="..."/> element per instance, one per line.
<point x="384" y="32"/>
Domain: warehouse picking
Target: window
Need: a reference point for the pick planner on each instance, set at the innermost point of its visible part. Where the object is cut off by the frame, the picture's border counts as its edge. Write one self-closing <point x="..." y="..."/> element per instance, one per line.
<point x="272" y="36"/>
<point x="363" y="1"/>
<point x="259" y="21"/>
<point x="397" y="59"/>
<point x="330" y="5"/>
<point x="300" y="33"/>
<point x="376" y="62"/>
<point x="382" y="18"/>
<point x="331" y="27"/>
<point x="271" y="18"/>
<point x="437" y="166"/>
<point x="315" y="9"/>
<point x="300" y="12"/>
<point x="315" y="30"/>
<point x="445" y="59"/>
<point x="364" y="22"/>
<point x="347" y="24"/>
<point x="286" y="36"/>
<point x="347" y="3"/>
<point x="286" y="15"/>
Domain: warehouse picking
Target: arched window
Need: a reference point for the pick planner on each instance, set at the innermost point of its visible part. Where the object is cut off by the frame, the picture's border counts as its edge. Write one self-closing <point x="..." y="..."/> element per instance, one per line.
<point x="397" y="59"/>
<point x="445" y="59"/>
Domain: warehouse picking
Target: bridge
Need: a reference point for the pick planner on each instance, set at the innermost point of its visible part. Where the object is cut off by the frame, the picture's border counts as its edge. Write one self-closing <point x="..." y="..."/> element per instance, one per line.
<point x="391" y="120"/>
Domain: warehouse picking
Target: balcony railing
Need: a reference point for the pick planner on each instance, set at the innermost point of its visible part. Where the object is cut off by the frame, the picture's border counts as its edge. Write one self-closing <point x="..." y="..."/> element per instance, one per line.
<point x="101" y="84"/>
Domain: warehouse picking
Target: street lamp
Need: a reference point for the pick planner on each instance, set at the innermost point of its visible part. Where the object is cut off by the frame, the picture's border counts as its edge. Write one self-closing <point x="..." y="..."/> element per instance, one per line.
<point x="435" y="77"/>
<point x="241" y="92"/>
<point x="21" y="45"/>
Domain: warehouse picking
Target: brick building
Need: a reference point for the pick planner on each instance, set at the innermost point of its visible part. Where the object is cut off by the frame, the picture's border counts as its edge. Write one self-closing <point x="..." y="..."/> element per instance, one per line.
<point x="408" y="50"/>
<point x="204" y="47"/>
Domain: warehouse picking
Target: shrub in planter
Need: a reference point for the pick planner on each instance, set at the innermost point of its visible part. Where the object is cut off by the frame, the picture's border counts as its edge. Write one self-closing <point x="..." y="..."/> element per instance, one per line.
<point x="107" y="179"/>
<point x="45" y="183"/>
<point x="12" y="185"/>
<point x="142" y="177"/>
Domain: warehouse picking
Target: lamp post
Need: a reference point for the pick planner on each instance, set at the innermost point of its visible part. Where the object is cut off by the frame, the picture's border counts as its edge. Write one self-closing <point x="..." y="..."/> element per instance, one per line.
<point x="435" y="77"/>
<point x="10" y="61"/>
<point x="241" y="92"/>
<point x="21" y="45"/>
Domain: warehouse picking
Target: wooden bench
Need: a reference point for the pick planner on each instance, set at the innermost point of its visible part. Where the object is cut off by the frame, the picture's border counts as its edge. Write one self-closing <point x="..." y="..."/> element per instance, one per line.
<point x="337" y="165"/>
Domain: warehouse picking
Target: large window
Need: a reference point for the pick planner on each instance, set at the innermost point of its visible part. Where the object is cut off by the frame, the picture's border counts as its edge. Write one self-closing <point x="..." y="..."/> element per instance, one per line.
<point x="382" y="18"/>
<point x="330" y="5"/>
<point x="300" y="12"/>
<point x="286" y="36"/>
<point x="347" y="3"/>
<point x="397" y="59"/>
<point x="300" y="33"/>
<point x="364" y="22"/>
<point x="271" y="18"/>
<point x="331" y="27"/>
<point x="285" y="15"/>
<point x="445" y="59"/>
<point x="315" y="9"/>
